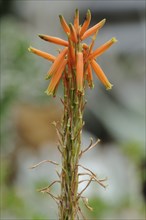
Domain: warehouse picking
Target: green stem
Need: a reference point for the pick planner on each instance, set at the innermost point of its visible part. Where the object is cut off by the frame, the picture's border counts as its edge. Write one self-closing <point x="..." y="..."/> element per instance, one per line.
<point x="72" y="127"/>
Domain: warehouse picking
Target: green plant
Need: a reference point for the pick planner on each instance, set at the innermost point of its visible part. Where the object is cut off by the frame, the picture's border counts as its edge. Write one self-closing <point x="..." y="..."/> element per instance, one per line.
<point x="74" y="66"/>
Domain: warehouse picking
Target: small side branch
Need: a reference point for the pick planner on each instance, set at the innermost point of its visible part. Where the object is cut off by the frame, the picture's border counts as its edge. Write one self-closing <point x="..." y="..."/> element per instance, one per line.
<point x="56" y="199"/>
<point x="100" y="182"/>
<point x="85" y="201"/>
<point x="93" y="176"/>
<point x="59" y="134"/>
<point x="89" y="147"/>
<point x="79" y="210"/>
<point x="44" y="161"/>
<point x="47" y="188"/>
<point x="79" y="195"/>
<point x="79" y="165"/>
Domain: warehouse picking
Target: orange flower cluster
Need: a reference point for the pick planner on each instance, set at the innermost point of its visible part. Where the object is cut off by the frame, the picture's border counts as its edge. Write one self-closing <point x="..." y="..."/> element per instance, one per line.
<point x="76" y="55"/>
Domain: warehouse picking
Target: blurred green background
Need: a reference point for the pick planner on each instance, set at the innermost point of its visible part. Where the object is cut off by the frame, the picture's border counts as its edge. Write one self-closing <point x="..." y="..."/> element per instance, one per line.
<point x="116" y="117"/>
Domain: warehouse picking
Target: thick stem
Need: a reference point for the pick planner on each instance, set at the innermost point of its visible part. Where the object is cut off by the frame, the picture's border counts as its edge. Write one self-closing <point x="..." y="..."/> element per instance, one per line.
<point x="72" y="127"/>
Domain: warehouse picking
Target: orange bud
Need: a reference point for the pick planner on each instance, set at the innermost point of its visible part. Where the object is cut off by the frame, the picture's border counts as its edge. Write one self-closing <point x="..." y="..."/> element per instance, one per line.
<point x="71" y="51"/>
<point x="100" y="74"/>
<point x="73" y="33"/>
<point x="85" y="46"/>
<point x="89" y="76"/>
<point x="57" y="62"/>
<point x="76" y="20"/>
<point x="102" y="48"/>
<point x="93" y="29"/>
<point x="91" y="46"/>
<point x="42" y="54"/>
<point x="93" y="41"/>
<point x="54" y="40"/>
<point x="64" y="24"/>
<point x="79" y="71"/>
<point x="86" y="23"/>
<point x="56" y="78"/>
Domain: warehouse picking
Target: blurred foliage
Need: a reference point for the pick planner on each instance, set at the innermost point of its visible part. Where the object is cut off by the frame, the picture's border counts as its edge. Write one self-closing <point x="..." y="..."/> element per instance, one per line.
<point x="5" y="101"/>
<point x="99" y="207"/>
<point x="133" y="151"/>
<point x="41" y="183"/>
<point x="13" y="203"/>
<point x="18" y="67"/>
<point x="21" y="80"/>
<point x="10" y="197"/>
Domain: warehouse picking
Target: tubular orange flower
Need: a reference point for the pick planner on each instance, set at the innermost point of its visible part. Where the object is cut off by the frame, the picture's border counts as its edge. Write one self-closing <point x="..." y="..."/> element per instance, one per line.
<point x="89" y="76"/>
<point x="100" y="74"/>
<point x="64" y="24"/>
<point x="73" y="33"/>
<point x="102" y="48"/>
<point x="85" y="55"/>
<point x="86" y="23"/>
<point x="93" y="29"/>
<point x="93" y="41"/>
<point x="79" y="71"/>
<point x="85" y="46"/>
<point x="54" y="40"/>
<point x="57" y="63"/>
<point x="42" y="54"/>
<point x="80" y="56"/>
<point x="76" y="20"/>
<point x="71" y="50"/>
<point x="56" y="78"/>
<point x="91" y="46"/>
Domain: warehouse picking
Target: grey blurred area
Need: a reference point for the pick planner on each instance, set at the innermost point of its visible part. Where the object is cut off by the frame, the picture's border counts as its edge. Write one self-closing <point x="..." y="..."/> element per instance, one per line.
<point x="117" y="117"/>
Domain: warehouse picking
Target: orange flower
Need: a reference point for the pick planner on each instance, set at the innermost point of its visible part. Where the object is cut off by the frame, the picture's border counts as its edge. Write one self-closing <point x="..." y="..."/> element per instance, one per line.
<point x="77" y="59"/>
<point x="76" y="19"/>
<point x="56" y="78"/>
<point x="73" y="33"/>
<point x="86" y="23"/>
<point x="102" y="48"/>
<point x="54" y="40"/>
<point x="100" y="74"/>
<point x="64" y="24"/>
<point x="57" y="63"/>
<point x="42" y="54"/>
<point x="79" y="71"/>
<point x="93" y="29"/>
<point x="71" y="51"/>
<point x="89" y="76"/>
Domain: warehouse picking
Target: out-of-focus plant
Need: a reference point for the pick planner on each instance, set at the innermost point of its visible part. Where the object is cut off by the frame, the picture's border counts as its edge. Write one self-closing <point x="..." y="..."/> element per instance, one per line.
<point x="74" y="66"/>
<point x="15" y="78"/>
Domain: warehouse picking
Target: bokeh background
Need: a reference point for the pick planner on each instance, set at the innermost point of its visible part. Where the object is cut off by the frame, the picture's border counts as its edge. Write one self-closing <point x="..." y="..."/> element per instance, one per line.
<point x="116" y="117"/>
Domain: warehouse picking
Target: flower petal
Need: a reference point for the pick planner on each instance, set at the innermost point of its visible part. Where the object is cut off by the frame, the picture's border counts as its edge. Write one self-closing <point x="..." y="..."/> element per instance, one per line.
<point x="76" y="20"/>
<point x="79" y="71"/>
<point x="100" y="74"/>
<point x="93" y="29"/>
<point x="89" y="76"/>
<point x="54" y="40"/>
<point x="56" y="78"/>
<point x="64" y="24"/>
<point x="42" y="54"/>
<point x="73" y="34"/>
<point x="102" y="48"/>
<point x="86" y="23"/>
<point x="71" y="51"/>
<point x="57" y="62"/>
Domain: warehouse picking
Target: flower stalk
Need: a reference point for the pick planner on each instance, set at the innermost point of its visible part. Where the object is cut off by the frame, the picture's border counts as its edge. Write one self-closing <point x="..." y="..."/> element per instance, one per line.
<point x="73" y="66"/>
<point x="72" y="124"/>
